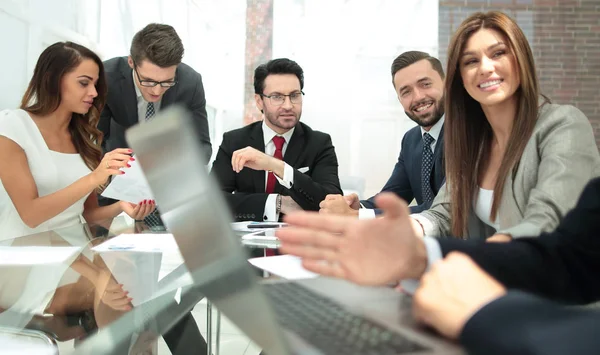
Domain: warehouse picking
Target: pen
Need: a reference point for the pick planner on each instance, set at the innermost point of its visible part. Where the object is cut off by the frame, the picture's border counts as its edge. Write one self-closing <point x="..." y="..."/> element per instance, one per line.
<point x="265" y="225"/>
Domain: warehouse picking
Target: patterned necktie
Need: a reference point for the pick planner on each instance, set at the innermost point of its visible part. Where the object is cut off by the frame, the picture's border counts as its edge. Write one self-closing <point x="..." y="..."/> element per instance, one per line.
<point x="426" y="168"/>
<point x="278" y="141"/>
<point x="153" y="220"/>
<point x="150" y="111"/>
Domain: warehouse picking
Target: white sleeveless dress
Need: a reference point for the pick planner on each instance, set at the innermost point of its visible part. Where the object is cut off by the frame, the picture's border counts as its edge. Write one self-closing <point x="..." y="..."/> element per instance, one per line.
<point x="52" y="171"/>
<point x="29" y="289"/>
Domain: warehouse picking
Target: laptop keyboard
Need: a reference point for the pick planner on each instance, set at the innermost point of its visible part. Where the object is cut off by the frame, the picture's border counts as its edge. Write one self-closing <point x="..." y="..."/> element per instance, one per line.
<point x="329" y="327"/>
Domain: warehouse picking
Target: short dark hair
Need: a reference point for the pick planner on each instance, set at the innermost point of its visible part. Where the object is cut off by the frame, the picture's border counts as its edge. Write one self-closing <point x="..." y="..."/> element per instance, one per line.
<point x="411" y="57"/>
<point x="276" y="66"/>
<point x="157" y="43"/>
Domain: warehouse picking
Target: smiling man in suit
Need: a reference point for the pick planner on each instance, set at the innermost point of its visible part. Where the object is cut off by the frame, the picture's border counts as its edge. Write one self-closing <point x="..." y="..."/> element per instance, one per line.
<point x="278" y="165"/>
<point x="152" y="77"/>
<point x="418" y="80"/>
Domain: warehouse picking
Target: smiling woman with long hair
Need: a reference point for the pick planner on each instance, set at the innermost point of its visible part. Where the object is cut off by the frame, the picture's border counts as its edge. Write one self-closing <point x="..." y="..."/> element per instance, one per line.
<point x="50" y="156"/>
<point x="515" y="163"/>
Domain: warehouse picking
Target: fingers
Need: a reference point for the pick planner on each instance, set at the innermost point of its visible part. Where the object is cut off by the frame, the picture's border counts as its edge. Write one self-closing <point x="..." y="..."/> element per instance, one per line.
<point x="304" y="236"/>
<point x="330" y="202"/>
<point x="240" y="157"/>
<point x="351" y="199"/>
<point x="115" y="297"/>
<point x="308" y="251"/>
<point x="324" y="268"/>
<point x="391" y="205"/>
<point x="312" y="220"/>
<point x="118" y="160"/>
<point x="143" y="209"/>
<point x="121" y="151"/>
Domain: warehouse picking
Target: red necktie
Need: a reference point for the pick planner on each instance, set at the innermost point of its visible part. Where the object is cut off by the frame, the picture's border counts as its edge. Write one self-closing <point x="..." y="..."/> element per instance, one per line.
<point x="278" y="141"/>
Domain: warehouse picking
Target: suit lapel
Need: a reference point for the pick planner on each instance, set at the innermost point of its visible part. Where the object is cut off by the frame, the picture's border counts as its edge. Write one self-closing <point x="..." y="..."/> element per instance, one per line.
<point x="438" y="157"/>
<point x="128" y="95"/>
<point x="295" y="147"/>
<point x="257" y="142"/>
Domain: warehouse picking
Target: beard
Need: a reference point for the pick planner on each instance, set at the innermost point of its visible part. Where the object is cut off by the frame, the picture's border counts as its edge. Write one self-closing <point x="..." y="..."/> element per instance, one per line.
<point x="430" y="118"/>
<point x="279" y="122"/>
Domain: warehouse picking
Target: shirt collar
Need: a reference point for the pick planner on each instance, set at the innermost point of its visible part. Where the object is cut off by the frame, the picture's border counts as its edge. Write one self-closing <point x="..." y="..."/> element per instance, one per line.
<point x="268" y="134"/>
<point x="434" y="132"/>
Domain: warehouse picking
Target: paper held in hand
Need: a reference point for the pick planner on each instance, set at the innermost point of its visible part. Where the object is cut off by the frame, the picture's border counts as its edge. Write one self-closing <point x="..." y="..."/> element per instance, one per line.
<point x="131" y="186"/>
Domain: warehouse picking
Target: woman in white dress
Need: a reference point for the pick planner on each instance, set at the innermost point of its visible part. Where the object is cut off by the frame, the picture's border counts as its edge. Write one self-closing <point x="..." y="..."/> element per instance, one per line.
<point x="51" y="165"/>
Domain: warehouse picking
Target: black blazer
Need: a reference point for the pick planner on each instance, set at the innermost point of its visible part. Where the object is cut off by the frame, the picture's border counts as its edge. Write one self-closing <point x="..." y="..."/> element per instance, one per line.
<point x="245" y="191"/>
<point x="120" y="111"/>
<point x="406" y="177"/>
<point x="563" y="266"/>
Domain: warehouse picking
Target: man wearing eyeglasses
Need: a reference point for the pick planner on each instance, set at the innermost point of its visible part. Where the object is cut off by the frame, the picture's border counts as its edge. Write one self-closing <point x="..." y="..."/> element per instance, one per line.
<point x="278" y="165"/>
<point x="149" y="79"/>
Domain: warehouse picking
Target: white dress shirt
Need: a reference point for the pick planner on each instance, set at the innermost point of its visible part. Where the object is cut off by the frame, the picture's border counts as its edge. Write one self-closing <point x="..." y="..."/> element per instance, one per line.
<point x="142" y="105"/>
<point x="434" y="132"/>
<point x="287" y="181"/>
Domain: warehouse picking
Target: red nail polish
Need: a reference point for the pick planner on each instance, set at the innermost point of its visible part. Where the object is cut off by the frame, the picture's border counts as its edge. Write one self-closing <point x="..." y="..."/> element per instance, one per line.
<point x="132" y="159"/>
<point x="130" y="151"/>
<point x="129" y="166"/>
<point x="122" y="172"/>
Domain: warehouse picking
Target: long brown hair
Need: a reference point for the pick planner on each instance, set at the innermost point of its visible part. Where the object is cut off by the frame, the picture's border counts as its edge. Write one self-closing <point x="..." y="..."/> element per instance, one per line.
<point x="43" y="97"/>
<point x="468" y="134"/>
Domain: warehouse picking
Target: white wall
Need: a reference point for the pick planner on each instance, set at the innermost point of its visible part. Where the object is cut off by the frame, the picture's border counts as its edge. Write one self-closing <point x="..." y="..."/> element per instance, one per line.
<point x="28" y="27"/>
<point x="346" y="48"/>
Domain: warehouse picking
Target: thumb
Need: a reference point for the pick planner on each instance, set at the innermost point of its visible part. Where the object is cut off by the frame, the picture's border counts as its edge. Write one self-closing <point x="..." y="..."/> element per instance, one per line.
<point x="392" y="205"/>
<point x="351" y="198"/>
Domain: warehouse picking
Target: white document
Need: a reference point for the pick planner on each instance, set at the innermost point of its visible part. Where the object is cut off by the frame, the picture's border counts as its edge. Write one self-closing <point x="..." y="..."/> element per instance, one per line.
<point x="37" y="255"/>
<point x="140" y="261"/>
<point x="144" y="242"/>
<point x="286" y="266"/>
<point x="131" y="186"/>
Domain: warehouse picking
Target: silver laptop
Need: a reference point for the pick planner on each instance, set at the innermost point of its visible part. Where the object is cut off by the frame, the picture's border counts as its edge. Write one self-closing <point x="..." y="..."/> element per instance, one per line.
<point x="315" y="316"/>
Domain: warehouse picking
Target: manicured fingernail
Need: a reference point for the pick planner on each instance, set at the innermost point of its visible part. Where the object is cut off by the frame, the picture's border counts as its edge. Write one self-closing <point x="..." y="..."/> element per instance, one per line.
<point x="130" y="151"/>
<point x="132" y="159"/>
<point x="122" y="172"/>
<point x="129" y="166"/>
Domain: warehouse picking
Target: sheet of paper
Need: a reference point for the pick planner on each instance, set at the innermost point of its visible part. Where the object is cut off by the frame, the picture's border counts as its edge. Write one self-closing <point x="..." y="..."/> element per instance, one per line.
<point x="37" y="255"/>
<point x="145" y="242"/>
<point x="286" y="266"/>
<point x="140" y="261"/>
<point x="131" y="186"/>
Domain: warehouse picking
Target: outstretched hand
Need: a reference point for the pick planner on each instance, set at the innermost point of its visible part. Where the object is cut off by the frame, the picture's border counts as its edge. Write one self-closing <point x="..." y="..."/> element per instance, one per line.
<point x="368" y="252"/>
<point x="139" y="211"/>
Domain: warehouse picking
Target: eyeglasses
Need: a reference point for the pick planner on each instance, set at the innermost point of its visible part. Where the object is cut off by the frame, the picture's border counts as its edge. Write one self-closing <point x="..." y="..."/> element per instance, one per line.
<point x="153" y="83"/>
<point x="279" y="99"/>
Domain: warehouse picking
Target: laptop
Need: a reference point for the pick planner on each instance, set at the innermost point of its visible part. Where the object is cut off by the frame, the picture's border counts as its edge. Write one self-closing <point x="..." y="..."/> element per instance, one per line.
<point x="313" y="316"/>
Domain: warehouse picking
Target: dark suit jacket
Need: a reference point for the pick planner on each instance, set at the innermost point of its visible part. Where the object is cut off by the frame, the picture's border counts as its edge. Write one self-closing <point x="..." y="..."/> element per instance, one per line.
<point x="406" y="177"/>
<point x="563" y="266"/>
<point x="121" y="110"/>
<point x="307" y="148"/>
